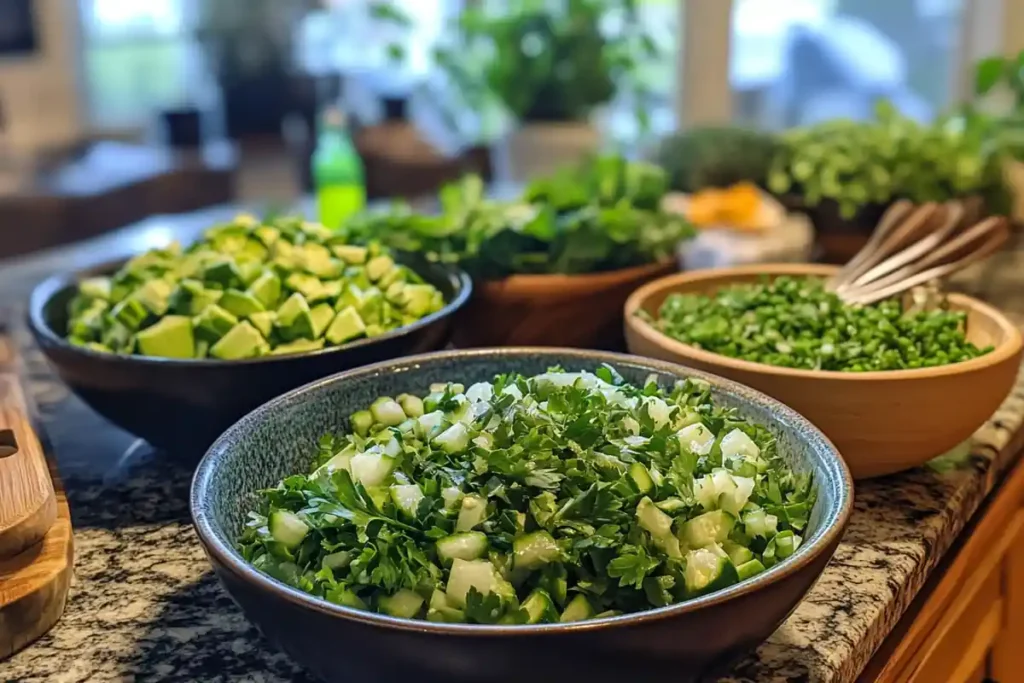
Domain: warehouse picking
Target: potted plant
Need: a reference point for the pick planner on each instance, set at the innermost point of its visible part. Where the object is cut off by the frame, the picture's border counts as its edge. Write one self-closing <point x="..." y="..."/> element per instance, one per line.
<point x="552" y="266"/>
<point x="544" y="68"/>
<point x="717" y="157"/>
<point x="844" y="174"/>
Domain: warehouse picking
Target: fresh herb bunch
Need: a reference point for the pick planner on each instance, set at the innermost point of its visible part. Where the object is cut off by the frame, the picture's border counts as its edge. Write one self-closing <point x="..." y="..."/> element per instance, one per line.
<point x="249" y="288"/>
<point x="795" y="323"/>
<point x="714" y="156"/>
<point x="857" y="163"/>
<point x="559" y="497"/>
<point x="602" y="216"/>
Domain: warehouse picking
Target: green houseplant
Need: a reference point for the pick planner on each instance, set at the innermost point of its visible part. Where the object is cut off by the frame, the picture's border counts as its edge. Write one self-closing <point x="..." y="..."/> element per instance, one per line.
<point x="717" y="156"/>
<point x="543" y="68"/>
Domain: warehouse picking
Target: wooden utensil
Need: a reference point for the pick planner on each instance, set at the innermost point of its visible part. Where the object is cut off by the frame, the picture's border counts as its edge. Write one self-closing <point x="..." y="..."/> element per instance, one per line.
<point x="894" y="216"/>
<point x="35" y="524"/>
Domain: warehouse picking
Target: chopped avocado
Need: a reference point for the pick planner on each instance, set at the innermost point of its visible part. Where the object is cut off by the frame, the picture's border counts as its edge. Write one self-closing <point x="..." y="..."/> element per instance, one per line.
<point x="321" y="314"/>
<point x="350" y="253"/>
<point x="309" y="286"/>
<point x="267" y="289"/>
<point x="419" y="299"/>
<point x="318" y="261"/>
<point x="346" y="325"/>
<point x="286" y="256"/>
<point x="263" y="321"/>
<point x="170" y="337"/>
<point x="213" y="323"/>
<point x="95" y="287"/>
<point x="378" y="267"/>
<point x="242" y="341"/>
<point x="240" y="304"/>
<point x="298" y="346"/>
<point x="267" y="235"/>
<point x="130" y="313"/>
<point x="223" y="273"/>
<point x="249" y="271"/>
<point x="154" y="295"/>
<point x="202" y="348"/>
<point x="293" y="319"/>
<point x="351" y="295"/>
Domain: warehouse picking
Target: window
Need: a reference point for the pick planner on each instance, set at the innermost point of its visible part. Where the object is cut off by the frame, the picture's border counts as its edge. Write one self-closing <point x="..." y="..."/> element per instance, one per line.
<point x="138" y="57"/>
<point x="803" y="61"/>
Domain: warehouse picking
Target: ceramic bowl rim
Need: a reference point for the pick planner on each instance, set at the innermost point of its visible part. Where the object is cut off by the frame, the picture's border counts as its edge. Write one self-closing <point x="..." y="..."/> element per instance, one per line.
<point x="227" y="557"/>
<point x="52" y="286"/>
<point x="1009" y="346"/>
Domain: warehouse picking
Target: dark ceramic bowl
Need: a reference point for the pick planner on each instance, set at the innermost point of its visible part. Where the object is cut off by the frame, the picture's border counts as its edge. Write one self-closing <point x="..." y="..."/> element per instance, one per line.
<point x="183" y="405"/>
<point x="677" y="643"/>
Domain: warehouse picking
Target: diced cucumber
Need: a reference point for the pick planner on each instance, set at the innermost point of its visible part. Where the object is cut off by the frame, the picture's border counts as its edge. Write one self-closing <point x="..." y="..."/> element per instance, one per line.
<point x="671" y="505"/>
<point x="371" y="468"/>
<point x="659" y="526"/>
<point x="540" y="608"/>
<point x="481" y="392"/>
<point x="748" y="569"/>
<point x="405" y="604"/>
<point x="768" y="557"/>
<point x="578" y="609"/>
<point x="453" y="439"/>
<point x="387" y="412"/>
<point x="341" y="460"/>
<point x="786" y="543"/>
<point x="429" y="425"/>
<point x="696" y="438"/>
<point x="707" y="571"/>
<point x="338" y="560"/>
<point x="362" y="421"/>
<point x="468" y="545"/>
<point x="442" y="610"/>
<point x="710" y="527"/>
<point x="472" y="512"/>
<point x="411" y="405"/>
<point x="641" y="477"/>
<point x="535" y="550"/>
<point x="736" y="444"/>
<point x="759" y="523"/>
<point x="346" y="597"/>
<point x="737" y="553"/>
<point x="287" y="528"/>
<point x="452" y="497"/>
<point x="478" y="574"/>
<point x="406" y="498"/>
<point x="733" y="491"/>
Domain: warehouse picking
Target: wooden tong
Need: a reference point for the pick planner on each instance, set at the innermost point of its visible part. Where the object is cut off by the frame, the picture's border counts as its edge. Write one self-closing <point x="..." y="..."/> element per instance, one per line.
<point x="914" y="245"/>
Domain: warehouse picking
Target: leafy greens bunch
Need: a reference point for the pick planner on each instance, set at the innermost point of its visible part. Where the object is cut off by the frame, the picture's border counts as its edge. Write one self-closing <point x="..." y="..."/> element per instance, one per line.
<point x="856" y="163"/>
<point x="558" y="497"/>
<point x="796" y="323"/>
<point x="605" y="215"/>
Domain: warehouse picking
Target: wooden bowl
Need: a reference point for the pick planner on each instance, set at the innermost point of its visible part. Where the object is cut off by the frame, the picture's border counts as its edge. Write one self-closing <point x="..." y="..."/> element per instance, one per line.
<point x="882" y="422"/>
<point x="577" y="311"/>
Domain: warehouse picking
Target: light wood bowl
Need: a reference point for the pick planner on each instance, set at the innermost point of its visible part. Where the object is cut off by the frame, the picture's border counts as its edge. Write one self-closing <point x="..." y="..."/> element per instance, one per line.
<point x="882" y="422"/>
<point x="578" y="311"/>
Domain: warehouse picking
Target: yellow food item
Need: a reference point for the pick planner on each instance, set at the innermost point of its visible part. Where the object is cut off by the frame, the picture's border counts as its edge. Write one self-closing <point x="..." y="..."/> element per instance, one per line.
<point x="737" y="207"/>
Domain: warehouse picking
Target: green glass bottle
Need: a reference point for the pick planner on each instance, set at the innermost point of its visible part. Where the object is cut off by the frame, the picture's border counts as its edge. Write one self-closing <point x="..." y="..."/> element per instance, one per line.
<point x="337" y="172"/>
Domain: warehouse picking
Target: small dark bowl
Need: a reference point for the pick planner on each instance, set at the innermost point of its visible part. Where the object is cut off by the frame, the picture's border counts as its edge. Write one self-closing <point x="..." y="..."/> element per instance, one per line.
<point x="679" y="643"/>
<point x="183" y="405"/>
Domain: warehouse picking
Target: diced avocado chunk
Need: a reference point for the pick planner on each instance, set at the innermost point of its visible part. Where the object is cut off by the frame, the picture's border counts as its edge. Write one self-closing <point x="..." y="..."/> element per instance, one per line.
<point x="298" y="346"/>
<point x="346" y="325"/>
<point x="263" y="321"/>
<point x="154" y="295"/>
<point x="309" y="286"/>
<point x="213" y="323"/>
<point x="130" y="313"/>
<point x="223" y="273"/>
<point x="240" y="304"/>
<point x="170" y="337"/>
<point x="95" y="287"/>
<point x="294" y="320"/>
<point x="242" y="341"/>
<point x="319" y="262"/>
<point x="419" y="299"/>
<point x="378" y="267"/>
<point x="267" y="234"/>
<point x="266" y="289"/>
<point x="350" y="253"/>
<point x="321" y="315"/>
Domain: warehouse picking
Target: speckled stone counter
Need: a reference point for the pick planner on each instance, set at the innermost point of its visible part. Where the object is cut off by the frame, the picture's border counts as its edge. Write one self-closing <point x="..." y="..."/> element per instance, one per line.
<point x="145" y="606"/>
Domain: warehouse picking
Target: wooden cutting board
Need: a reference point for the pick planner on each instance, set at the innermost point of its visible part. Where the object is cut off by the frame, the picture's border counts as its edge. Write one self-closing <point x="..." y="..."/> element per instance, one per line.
<point x="35" y="524"/>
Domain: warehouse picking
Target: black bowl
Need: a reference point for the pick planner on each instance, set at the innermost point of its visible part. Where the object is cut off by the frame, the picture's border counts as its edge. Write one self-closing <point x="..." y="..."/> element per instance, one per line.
<point x="678" y="643"/>
<point x="183" y="405"/>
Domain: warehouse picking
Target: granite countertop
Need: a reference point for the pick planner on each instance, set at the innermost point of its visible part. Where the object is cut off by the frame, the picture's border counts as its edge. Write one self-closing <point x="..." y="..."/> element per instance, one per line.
<point x="145" y="605"/>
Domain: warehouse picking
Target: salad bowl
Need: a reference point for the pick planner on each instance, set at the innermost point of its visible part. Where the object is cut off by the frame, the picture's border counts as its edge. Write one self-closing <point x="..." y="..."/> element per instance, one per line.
<point x="182" y="405"/>
<point x="683" y="641"/>
<point x="881" y="421"/>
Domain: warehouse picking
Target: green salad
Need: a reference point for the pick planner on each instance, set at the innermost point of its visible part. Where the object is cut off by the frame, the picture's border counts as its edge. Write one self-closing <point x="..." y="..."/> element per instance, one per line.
<point x="605" y="215"/>
<point x="796" y="323"/>
<point x="554" y="498"/>
<point x="246" y="289"/>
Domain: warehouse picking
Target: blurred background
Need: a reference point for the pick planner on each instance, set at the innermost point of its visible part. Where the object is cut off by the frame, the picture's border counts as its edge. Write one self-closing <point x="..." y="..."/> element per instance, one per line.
<point x="113" y="110"/>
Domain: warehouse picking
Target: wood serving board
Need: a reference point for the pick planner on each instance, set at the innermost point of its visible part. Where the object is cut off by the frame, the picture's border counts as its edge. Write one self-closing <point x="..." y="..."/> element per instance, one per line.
<point x="35" y="524"/>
